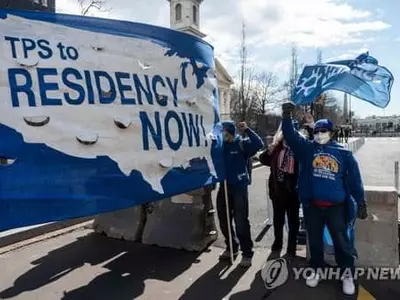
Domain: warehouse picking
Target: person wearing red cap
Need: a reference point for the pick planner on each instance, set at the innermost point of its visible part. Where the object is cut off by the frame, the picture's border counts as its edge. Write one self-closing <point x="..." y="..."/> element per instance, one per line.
<point x="329" y="184"/>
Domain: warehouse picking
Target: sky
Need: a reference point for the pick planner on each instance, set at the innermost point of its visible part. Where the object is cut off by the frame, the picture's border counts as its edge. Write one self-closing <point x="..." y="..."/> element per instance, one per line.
<point x="342" y="29"/>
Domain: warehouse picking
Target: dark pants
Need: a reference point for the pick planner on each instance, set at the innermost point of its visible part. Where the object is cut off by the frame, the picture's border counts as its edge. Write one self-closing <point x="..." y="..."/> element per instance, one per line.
<point x="335" y="218"/>
<point x="239" y="211"/>
<point x="286" y="203"/>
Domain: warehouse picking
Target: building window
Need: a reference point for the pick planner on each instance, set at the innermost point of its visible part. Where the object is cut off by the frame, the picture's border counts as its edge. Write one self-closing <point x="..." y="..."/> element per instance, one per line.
<point x="178" y="12"/>
<point x="44" y="3"/>
<point x="194" y="14"/>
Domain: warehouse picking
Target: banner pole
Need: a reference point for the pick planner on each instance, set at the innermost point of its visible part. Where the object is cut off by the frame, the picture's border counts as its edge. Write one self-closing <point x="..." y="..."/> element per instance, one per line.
<point x="228" y="220"/>
<point x="396" y="175"/>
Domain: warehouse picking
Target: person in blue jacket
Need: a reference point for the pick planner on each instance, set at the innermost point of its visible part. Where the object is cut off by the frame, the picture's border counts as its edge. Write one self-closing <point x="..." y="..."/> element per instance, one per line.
<point x="237" y="152"/>
<point x="329" y="178"/>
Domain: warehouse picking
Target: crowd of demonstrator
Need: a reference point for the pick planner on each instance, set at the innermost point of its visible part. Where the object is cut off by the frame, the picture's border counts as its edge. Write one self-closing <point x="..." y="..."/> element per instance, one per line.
<point x="308" y="167"/>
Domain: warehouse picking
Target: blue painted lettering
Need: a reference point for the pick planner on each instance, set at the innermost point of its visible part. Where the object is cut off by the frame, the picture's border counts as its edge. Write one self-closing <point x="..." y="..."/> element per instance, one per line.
<point x="140" y="88"/>
<point x="12" y="40"/>
<point x="45" y="51"/>
<point x="204" y="131"/>
<point x="47" y="86"/>
<point x="174" y="88"/>
<point x="28" y="45"/>
<point x="74" y="86"/>
<point x="25" y="88"/>
<point x="105" y="96"/>
<point x="191" y="129"/>
<point x="123" y="87"/>
<point x="89" y="85"/>
<point x="148" y="126"/>
<point x="162" y="100"/>
<point x="174" y="145"/>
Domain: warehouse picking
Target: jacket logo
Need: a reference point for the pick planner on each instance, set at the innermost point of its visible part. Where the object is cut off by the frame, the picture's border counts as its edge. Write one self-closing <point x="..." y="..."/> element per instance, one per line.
<point x="326" y="162"/>
<point x="325" y="166"/>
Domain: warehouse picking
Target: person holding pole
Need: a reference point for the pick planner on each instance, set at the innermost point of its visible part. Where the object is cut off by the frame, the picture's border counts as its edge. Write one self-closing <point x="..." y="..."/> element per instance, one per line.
<point x="328" y="186"/>
<point x="232" y="197"/>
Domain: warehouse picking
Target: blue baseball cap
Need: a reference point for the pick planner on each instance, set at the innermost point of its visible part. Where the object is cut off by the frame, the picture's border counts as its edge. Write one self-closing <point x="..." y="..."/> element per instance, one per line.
<point x="323" y="124"/>
<point x="230" y="127"/>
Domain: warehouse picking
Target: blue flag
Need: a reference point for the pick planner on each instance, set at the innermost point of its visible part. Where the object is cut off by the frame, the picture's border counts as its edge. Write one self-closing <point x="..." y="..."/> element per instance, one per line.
<point x="362" y="77"/>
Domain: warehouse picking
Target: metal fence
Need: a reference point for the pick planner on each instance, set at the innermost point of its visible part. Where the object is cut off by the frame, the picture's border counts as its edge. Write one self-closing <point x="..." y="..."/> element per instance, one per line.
<point x="263" y="125"/>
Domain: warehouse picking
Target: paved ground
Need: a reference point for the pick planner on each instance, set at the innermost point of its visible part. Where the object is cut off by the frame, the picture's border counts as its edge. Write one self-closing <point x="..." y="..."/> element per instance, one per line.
<point x="81" y="265"/>
<point x="377" y="158"/>
<point x="17" y="230"/>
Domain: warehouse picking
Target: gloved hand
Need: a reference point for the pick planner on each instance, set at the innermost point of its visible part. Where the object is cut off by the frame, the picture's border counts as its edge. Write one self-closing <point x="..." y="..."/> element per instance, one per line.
<point x="362" y="211"/>
<point x="288" y="108"/>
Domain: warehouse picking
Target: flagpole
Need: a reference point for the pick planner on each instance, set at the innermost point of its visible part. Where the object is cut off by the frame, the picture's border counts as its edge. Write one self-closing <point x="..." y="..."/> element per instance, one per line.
<point x="228" y="218"/>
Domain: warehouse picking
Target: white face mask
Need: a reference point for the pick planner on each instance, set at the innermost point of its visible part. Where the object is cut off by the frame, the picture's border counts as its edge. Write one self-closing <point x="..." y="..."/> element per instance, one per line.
<point x="322" y="137"/>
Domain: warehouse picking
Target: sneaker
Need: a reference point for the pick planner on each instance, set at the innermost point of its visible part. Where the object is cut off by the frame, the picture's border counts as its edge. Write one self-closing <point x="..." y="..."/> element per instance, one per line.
<point x="226" y="255"/>
<point x="245" y="262"/>
<point x="348" y="286"/>
<point x="313" y="280"/>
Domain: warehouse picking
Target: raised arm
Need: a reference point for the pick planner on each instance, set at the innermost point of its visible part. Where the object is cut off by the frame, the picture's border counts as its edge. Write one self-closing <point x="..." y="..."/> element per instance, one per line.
<point x="252" y="144"/>
<point x="297" y="142"/>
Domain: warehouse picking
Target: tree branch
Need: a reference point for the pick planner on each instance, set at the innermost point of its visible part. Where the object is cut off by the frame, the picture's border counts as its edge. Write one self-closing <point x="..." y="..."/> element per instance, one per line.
<point x="100" y="5"/>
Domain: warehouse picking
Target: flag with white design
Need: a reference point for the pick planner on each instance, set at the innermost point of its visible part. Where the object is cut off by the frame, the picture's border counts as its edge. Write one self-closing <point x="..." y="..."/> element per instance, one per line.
<point x="361" y="77"/>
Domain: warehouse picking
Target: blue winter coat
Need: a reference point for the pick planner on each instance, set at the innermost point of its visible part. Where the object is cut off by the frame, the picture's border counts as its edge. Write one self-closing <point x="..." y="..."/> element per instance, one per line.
<point x="236" y="155"/>
<point x="326" y="172"/>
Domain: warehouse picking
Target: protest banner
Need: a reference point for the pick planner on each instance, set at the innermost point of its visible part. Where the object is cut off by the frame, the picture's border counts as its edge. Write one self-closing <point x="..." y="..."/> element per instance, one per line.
<point x="98" y="115"/>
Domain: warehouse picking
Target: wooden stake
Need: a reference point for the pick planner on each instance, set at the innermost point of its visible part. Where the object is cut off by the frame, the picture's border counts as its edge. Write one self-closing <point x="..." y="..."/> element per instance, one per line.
<point x="228" y="218"/>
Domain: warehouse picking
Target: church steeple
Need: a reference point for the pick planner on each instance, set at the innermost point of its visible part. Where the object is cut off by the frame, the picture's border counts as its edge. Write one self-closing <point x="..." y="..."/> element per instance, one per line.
<point x="185" y="16"/>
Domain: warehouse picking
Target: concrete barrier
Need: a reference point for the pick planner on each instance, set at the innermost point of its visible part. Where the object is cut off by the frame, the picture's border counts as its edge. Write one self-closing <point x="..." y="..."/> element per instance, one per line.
<point x="184" y="222"/>
<point x="376" y="239"/>
<point x="355" y="144"/>
<point x="122" y="224"/>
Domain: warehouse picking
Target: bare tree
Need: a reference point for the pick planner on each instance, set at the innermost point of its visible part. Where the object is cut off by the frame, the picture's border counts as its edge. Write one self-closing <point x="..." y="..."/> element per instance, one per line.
<point x="87" y="5"/>
<point x="266" y="90"/>
<point x="290" y="85"/>
<point x="243" y="67"/>
<point x="242" y="103"/>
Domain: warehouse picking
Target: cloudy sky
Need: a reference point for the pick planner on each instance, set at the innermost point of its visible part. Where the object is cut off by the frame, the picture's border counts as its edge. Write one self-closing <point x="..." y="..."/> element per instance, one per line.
<point x="340" y="28"/>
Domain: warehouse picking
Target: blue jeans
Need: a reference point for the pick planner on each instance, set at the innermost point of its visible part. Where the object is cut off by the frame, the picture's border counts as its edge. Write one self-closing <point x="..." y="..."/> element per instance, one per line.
<point x="239" y="211"/>
<point x="335" y="218"/>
